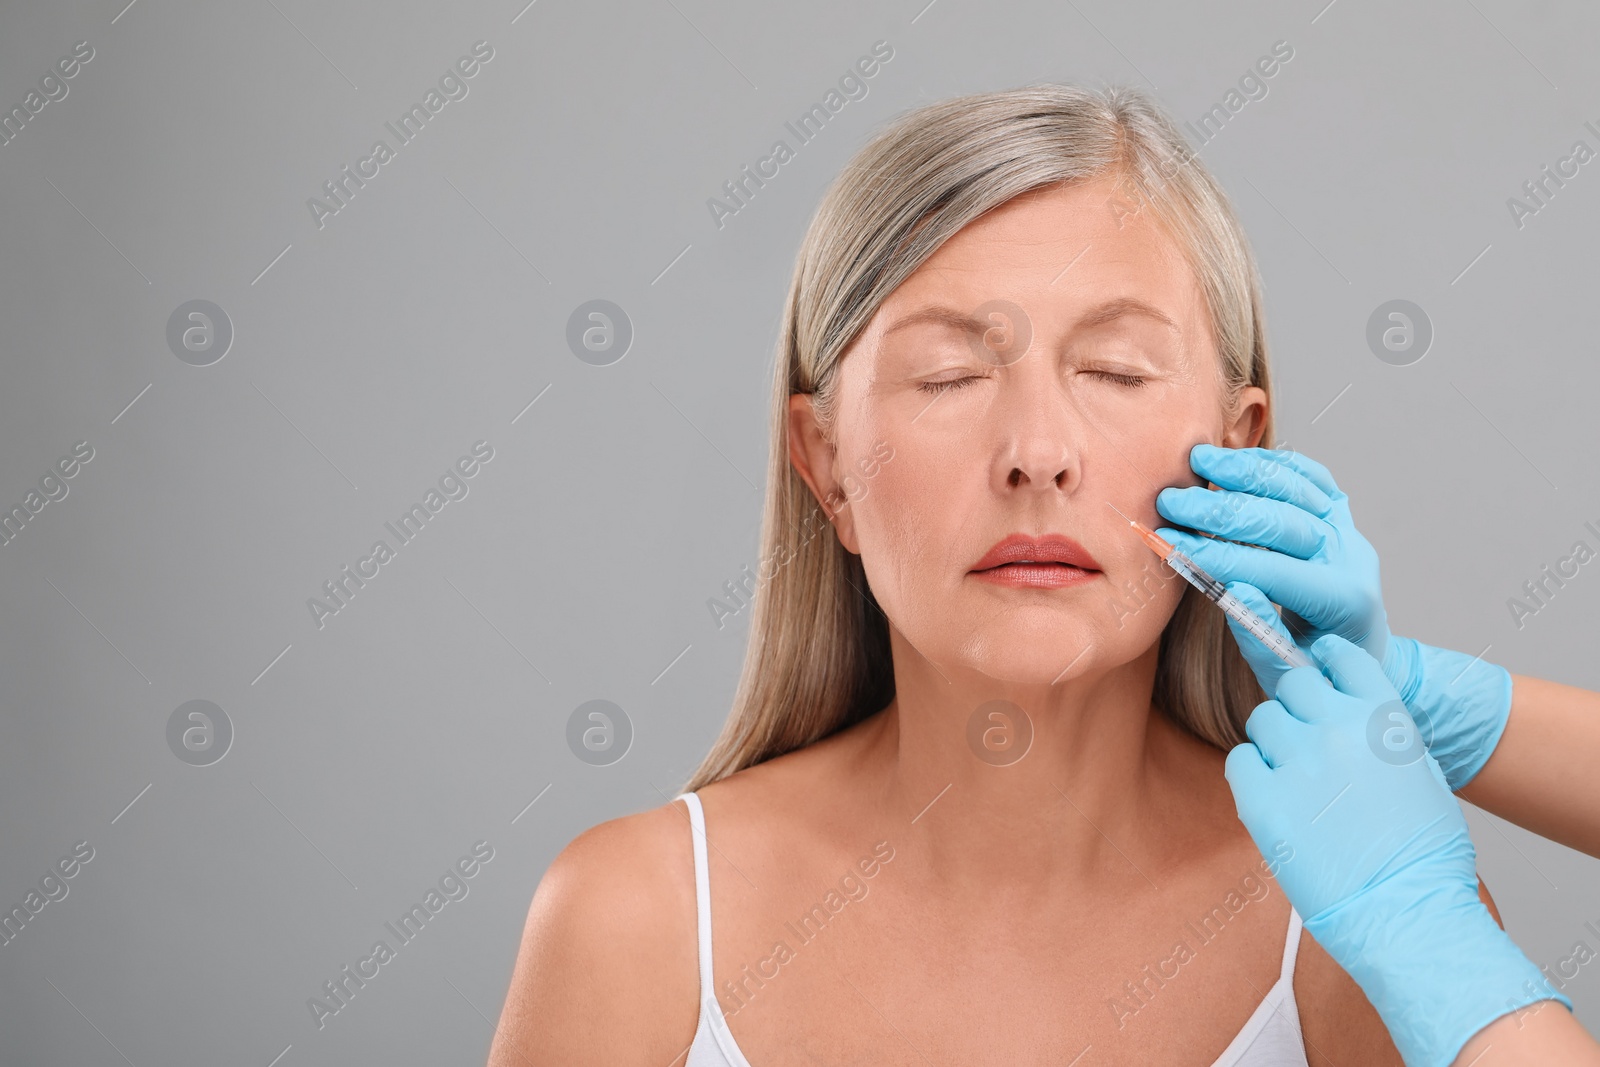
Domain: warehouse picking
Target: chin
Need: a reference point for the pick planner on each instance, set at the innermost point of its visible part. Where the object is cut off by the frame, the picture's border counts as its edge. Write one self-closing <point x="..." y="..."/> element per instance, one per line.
<point x="1032" y="656"/>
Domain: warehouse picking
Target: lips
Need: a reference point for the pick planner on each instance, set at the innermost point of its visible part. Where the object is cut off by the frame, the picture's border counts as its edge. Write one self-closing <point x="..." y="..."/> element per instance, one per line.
<point x="1052" y="548"/>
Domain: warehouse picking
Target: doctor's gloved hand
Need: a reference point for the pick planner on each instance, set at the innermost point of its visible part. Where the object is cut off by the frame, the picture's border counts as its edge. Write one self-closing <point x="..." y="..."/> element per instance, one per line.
<point x="1324" y="574"/>
<point x="1381" y="867"/>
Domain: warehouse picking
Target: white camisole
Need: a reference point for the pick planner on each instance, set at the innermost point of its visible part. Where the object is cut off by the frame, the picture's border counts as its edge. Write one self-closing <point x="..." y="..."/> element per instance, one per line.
<point x="1270" y="1037"/>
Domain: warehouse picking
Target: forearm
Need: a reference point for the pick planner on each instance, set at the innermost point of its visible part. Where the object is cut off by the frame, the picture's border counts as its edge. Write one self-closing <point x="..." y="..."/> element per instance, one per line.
<point x="1543" y="1032"/>
<point x="1542" y="774"/>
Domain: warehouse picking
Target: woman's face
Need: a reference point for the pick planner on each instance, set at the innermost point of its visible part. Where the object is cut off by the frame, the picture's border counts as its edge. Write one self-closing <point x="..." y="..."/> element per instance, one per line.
<point x="1089" y="374"/>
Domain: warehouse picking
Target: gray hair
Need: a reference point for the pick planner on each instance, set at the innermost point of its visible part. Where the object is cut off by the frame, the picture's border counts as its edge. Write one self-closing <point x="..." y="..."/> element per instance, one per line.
<point x="818" y="658"/>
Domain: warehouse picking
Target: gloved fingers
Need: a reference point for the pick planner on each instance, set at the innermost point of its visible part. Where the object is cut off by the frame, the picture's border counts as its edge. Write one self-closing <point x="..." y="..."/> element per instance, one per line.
<point x="1238" y="516"/>
<point x="1266" y="460"/>
<point x="1304" y="587"/>
<point x="1256" y="601"/>
<point x="1229" y="562"/>
<point x="1279" y="475"/>
<point x="1249" y="777"/>
<point x="1309" y="697"/>
<point x="1275" y="733"/>
<point x="1352" y="670"/>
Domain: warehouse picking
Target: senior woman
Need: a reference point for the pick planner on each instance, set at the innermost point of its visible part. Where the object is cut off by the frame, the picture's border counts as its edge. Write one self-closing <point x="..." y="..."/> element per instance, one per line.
<point x="969" y="804"/>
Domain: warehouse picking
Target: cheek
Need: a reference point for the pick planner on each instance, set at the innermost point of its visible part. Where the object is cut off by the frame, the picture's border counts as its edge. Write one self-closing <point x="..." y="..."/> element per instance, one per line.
<point x="908" y="521"/>
<point x="1142" y="595"/>
<point x="1154" y="452"/>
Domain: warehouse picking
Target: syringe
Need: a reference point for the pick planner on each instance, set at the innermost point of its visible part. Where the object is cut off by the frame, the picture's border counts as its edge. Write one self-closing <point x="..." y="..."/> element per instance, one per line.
<point x="1218" y="594"/>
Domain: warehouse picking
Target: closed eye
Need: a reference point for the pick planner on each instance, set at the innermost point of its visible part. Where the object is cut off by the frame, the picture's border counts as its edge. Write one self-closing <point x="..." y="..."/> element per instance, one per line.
<point x="1132" y="380"/>
<point x="943" y="387"/>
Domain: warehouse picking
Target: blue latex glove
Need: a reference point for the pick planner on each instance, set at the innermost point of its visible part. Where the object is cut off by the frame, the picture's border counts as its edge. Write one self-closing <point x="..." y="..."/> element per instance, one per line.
<point x="1381" y="867"/>
<point x="1325" y="575"/>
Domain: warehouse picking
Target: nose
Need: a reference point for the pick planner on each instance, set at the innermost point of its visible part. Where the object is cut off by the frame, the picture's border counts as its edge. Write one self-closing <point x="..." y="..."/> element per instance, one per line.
<point x="1040" y="443"/>
<point x="1041" y="465"/>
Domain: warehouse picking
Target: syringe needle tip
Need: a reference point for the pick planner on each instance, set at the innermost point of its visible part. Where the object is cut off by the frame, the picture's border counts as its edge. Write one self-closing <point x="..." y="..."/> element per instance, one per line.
<point x="1118" y="510"/>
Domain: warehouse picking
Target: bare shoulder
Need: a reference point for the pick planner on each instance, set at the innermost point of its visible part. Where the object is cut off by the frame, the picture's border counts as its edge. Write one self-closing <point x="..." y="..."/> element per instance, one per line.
<point x="608" y="968"/>
<point x="607" y="971"/>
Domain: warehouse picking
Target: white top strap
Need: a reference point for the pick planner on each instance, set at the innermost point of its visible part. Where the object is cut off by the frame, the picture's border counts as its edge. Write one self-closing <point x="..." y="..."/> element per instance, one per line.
<point x="1291" y="947"/>
<point x="702" y="892"/>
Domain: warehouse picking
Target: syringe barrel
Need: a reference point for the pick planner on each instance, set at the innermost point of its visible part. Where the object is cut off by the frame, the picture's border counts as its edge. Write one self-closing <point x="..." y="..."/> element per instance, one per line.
<point x="1280" y="645"/>
<point x="1213" y="589"/>
<point x="1236" y="609"/>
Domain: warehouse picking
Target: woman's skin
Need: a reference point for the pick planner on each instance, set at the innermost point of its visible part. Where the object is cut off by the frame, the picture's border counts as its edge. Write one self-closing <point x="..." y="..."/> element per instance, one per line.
<point x="1544" y="1032"/>
<point x="1540" y="776"/>
<point x="1019" y="899"/>
<point x="1541" y="773"/>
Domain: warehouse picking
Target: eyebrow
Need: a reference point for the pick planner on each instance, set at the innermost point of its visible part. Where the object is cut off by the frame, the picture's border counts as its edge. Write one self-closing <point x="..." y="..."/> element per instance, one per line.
<point x="1098" y="315"/>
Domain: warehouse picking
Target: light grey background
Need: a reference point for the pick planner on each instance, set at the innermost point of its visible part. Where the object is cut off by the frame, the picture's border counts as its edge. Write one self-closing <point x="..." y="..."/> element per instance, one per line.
<point x="431" y="312"/>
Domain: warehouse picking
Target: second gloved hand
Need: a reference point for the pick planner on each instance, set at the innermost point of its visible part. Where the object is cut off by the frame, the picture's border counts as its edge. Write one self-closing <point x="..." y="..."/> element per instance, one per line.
<point x="1381" y="867"/>
<point x="1322" y="571"/>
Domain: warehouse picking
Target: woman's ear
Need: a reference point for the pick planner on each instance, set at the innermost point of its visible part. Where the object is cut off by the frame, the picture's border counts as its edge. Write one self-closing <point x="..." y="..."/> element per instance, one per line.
<point x="813" y="458"/>
<point x="1249" y="421"/>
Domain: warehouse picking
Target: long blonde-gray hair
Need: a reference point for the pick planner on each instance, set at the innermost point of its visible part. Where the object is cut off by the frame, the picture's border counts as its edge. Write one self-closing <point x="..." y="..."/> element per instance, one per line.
<point x="818" y="658"/>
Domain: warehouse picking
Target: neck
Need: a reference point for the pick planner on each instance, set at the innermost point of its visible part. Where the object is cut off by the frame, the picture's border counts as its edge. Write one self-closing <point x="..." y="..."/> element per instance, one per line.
<point x="1080" y="803"/>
